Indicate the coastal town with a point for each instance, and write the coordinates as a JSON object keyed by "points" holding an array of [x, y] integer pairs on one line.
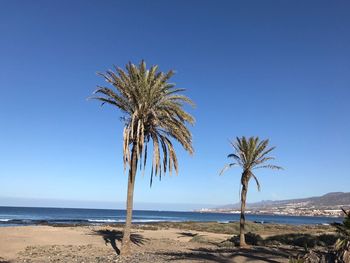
{"points": [[290, 210], [330, 204]]}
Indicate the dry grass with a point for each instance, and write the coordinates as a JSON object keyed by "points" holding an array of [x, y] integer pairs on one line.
{"points": [[233, 228]]}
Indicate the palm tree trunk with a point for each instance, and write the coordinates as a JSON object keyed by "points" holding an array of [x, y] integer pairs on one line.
{"points": [[125, 249], [242, 242]]}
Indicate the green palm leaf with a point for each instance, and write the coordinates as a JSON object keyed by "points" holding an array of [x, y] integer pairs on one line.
{"points": [[153, 110]]}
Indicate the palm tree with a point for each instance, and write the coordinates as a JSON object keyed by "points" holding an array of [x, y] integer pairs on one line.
{"points": [[250, 154], [342, 245], [152, 112]]}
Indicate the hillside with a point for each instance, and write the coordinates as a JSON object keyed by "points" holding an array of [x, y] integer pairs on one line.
{"points": [[333, 200]]}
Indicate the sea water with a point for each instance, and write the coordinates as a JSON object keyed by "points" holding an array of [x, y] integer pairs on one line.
{"points": [[14, 216]]}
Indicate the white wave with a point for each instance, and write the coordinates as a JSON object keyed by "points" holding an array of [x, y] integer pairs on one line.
{"points": [[148, 220], [155, 220], [104, 220], [4, 220], [134, 220]]}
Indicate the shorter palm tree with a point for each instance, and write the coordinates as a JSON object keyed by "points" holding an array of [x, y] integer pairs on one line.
{"points": [[250, 154]]}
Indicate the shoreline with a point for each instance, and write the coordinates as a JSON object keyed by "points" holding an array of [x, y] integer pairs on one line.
{"points": [[71, 223]]}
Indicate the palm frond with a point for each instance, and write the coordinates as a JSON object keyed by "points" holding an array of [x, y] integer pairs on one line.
{"points": [[153, 110], [269, 166], [251, 153], [226, 167], [257, 182]]}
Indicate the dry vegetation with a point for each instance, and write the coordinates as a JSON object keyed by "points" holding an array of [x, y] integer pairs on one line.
{"points": [[233, 228]]}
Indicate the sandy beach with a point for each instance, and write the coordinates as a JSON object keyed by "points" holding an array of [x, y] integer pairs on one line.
{"points": [[151, 244]]}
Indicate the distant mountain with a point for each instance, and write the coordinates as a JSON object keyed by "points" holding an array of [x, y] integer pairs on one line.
{"points": [[330, 201]]}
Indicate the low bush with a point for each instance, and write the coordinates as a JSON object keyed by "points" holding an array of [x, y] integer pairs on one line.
{"points": [[303, 240], [327, 240], [250, 238], [201, 239]]}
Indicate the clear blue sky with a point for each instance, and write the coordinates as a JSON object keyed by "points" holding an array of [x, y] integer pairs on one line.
{"points": [[277, 69]]}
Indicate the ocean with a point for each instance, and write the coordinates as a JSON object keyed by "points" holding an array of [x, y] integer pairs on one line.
{"points": [[17, 216]]}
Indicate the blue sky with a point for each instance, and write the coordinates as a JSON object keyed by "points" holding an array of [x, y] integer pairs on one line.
{"points": [[276, 69]]}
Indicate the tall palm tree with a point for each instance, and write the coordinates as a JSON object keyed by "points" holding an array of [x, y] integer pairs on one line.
{"points": [[153, 111], [250, 154]]}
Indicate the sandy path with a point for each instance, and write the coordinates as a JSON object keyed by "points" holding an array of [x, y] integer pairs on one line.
{"points": [[15, 239]]}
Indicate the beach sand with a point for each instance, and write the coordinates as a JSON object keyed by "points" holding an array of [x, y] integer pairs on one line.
{"points": [[99, 244]]}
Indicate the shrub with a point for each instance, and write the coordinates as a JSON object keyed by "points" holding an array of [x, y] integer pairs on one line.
{"points": [[250, 238], [253, 239], [200, 239], [300, 240], [343, 243], [326, 240]]}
